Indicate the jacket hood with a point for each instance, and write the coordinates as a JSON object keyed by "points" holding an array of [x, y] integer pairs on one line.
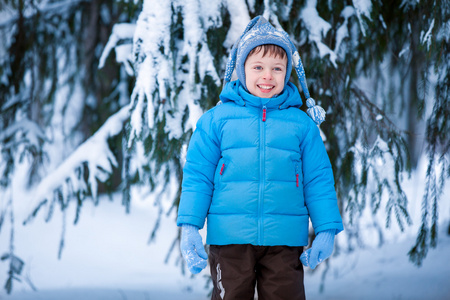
{"points": [[260, 32], [234, 91]]}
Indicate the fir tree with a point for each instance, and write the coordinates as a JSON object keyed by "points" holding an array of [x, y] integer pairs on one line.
{"points": [[52, 99]]}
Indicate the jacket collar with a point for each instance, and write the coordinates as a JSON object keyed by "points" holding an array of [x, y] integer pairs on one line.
{"points": [[234, 91]]}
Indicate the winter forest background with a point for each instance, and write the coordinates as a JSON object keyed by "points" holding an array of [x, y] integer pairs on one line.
{"points": [[98, 100]]}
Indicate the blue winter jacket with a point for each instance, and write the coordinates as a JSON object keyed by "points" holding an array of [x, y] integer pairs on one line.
{"points": [[257, 170]]}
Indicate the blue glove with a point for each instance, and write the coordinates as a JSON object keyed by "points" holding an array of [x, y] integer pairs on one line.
{"points": [[321, 249], [192, 248]]}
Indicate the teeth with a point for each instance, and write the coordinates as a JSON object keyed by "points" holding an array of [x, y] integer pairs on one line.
{"points": [[266, 87]]}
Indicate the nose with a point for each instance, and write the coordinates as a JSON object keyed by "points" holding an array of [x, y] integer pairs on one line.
{"points": [[268, 75]]}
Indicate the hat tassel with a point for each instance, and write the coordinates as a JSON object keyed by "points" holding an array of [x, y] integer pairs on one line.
{"points": [[315, 112]]}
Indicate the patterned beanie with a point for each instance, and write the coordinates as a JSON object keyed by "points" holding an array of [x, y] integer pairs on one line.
{"points": [[260, 32]]}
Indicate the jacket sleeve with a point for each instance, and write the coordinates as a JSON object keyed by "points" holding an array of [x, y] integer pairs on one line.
{"points": [[198, 173], [318, 184]]}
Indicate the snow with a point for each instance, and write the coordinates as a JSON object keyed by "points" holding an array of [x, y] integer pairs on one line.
{"points": [[342, 31], [425, 38], [239, 18], [156, 63], [380, 17], [404, 50], [317, 27], [385, 273], [106, 256], [363, 8], [210, 13], [95, 151], [120, 31], [27, 128], [195, 37], [152, 33]]}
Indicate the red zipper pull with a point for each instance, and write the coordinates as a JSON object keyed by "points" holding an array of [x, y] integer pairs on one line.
{"points": [[264, 114], [221, 169], [296, 179]]}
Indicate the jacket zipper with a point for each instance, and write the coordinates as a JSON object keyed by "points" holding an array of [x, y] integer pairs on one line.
{"points": [[296, 175], [262, 177], [221, 169]]}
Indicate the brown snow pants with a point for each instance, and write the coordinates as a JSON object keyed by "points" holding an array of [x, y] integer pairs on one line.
{"points": [[276, 271]]}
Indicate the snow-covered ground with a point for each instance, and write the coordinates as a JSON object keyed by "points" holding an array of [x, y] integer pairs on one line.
{"points": [[367, 274], [106, 256], [386, 273]]}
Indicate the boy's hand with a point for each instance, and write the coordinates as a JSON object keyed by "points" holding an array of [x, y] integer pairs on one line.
{"points": [[192, 248], [321, 249]]}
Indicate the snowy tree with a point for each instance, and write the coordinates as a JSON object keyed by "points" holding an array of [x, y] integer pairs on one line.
{"points": [[52, 98], [358, 61], [73, 122], [364, 62]]}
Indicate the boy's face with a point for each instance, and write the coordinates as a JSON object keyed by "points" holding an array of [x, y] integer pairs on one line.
{"points": [[264, 76]]}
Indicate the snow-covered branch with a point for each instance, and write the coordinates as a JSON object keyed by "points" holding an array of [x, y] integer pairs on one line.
{"points": [[170, 67], [363, 8], [120, 32], [317, 27], [10, 15], [29, 129], [94, 153]]}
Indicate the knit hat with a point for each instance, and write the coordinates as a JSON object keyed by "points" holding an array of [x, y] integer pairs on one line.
{"points": [[260, 32]]}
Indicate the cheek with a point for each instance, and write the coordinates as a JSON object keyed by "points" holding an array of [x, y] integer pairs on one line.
{"points": [[249, 78]]}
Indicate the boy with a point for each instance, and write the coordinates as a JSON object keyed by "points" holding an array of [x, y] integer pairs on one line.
{"points": [[257, 170]]}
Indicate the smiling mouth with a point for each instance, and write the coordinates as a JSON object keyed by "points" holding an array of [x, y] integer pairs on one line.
{"points": [[266, 87]]}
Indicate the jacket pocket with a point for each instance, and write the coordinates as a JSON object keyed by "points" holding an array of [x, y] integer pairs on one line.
{"points": [[220, 171], [297, 172]]}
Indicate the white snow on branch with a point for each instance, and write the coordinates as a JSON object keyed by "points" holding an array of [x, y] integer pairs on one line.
{"points": [[136, 120], [444, 32], [13, 100], [404, 51], [342, 31], [151, 48], [317, 27], [210, 12], [425, 38], [168, 66], [94, 152], [380, 17], [120, 32], [239, 18], [30, 131], [194, 38], [363, 8], [192, 35], [9, 13]]}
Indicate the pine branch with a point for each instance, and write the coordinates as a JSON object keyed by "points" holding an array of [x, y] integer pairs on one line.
{"points": [[94, 153], [48, 9], [16, 264], [374, 111]]}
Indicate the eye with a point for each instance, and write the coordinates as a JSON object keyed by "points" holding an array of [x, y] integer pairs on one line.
{"points": [[278, 69], [258, 68]]}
